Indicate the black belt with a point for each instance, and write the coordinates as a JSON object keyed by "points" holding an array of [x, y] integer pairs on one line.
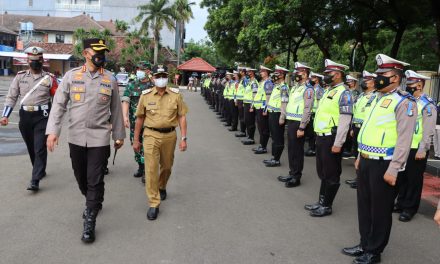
{"points": [[162, 130]]}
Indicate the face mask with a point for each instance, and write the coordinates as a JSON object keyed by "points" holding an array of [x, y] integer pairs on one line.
{"points": [[36, 65], [140, 75], [328, 79], [364, 85], [382, 81], [161, 82], [411, 90], [312, 82], [98, 60]]}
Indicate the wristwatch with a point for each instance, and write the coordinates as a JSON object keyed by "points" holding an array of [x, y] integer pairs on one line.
{"points": [[184, 138]]}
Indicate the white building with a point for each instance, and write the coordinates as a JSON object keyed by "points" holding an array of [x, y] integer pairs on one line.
{"points": [[100, 10]]}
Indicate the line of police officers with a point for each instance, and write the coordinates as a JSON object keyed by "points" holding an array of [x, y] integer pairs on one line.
{"points": [[387, 127]]}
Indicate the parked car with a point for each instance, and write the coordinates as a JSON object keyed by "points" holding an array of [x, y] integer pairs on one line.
{"points": [[122, 79]]}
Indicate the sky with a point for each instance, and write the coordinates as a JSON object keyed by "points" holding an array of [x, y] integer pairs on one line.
{"points": [[194, 29]]}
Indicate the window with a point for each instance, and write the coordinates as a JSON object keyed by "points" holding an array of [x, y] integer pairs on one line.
{"points": [[59, 38], [31, 2]]}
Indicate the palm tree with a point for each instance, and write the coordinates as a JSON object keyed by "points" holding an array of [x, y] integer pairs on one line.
{"points": [[121, 25], [155, 15], [183, 14]]}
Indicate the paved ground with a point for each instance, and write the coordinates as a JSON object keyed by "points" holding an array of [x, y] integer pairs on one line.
{"points": [[224, 206]]}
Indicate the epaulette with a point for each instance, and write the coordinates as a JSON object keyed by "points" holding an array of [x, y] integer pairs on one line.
{"points": [[405, 94], [21, 72], [429, 99], [77, 68], [175, 90], [147, 91]]}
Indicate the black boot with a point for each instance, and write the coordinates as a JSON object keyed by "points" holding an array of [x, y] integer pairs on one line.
{"points": [[310, 153], [311, 207], [34, 186], [326, 208], [140, 172], [88, 235]]}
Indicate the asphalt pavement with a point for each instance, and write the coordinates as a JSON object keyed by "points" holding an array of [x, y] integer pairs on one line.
{"points": [[223, 207]]}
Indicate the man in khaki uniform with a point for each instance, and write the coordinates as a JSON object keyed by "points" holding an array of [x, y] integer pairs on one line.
{"points": [[160, 111], [35, 87], [92, 96]]}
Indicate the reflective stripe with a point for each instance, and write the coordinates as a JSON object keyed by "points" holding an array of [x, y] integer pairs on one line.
{"points": [[376, 150], [7, 111], [294, 115]]}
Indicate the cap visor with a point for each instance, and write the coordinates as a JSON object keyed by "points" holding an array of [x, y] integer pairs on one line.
{"points": [[383, 70], [100, 49]]}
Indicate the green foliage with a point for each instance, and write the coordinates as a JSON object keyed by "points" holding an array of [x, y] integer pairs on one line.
{"points": [[80, 34], [207, 51]]}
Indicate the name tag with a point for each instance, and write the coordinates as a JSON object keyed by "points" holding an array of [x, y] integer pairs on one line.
{"points": [[106, 85], [24, 82], [78, 82], [152, 103]]}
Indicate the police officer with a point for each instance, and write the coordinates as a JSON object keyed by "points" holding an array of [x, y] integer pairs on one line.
{"points": [[92, 95], [160, 111], [360, 108], [332, 122], [411, 179], [277, 116], [349, 142], [316, 80], [227, 92], [239, 97], [130, 100], [298, 113], [384, 144], [251, 90], [234, 101], [35, 88], [265, 88]]}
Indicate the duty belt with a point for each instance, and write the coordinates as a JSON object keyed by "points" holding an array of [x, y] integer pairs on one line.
{"points": [[366, 156], [162, 130], [324, 134], [34, 108]]}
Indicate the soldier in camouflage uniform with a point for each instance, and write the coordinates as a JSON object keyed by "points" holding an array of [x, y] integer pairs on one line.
{"points": [[130, 101]]}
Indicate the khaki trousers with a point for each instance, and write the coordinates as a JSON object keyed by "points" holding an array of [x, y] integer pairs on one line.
{"points": [[159, 158]]}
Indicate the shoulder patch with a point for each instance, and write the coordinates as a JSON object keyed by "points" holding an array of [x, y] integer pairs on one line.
{"points": [[174, 90], [147, 91]]}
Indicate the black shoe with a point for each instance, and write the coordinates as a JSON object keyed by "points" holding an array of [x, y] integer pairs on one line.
{"points": [[354, 185], [152, 213], [436, 158], [355, 251], [248, 141], [34, 186], [284, 178], [268, 160], [367, 258], [257, 148], [273, 163], [312, 207], [405, 217], [321, 211], [88, 235], [310, 153], [140, 172], [293, 183], [106, 172], [240, 134], [260, 151], [163, 194], [232, 129], [349, 182]]}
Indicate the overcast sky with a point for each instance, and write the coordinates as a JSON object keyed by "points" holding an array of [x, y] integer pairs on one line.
{"points": [[194, 29]]}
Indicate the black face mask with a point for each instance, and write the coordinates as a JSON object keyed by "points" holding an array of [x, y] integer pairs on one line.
{"points": [[364, 86], [411, 90], [328, 79], [382, 81], [312, 83], [98, 59], [36, 65], [298, 78]]}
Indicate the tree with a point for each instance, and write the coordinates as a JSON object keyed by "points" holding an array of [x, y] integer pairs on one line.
{"points": [[183, 14], [155, 15], [205, 50], [136, 49]]}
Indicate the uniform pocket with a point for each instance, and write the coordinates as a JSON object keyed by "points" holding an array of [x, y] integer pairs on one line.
{"points": [[77, 94], [104, 96], [152, 111]]}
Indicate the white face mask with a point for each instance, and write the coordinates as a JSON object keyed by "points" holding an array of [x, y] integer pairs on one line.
{"points": [[161, 82], [140, 75]]}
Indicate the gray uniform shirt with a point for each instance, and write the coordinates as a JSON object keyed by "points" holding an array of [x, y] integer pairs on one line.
{"points": [[309, 98], [94, 108], [345, 114], [429, 119], [23, 83]]}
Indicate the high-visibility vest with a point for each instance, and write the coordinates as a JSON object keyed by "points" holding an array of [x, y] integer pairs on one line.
{"points": [[274, 104], [248, 96], [295, 107], [359, 108], [327, 114]]}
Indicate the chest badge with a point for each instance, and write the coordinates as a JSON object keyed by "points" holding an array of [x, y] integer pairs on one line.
{"points": [[77, 97], [386, 103]]}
